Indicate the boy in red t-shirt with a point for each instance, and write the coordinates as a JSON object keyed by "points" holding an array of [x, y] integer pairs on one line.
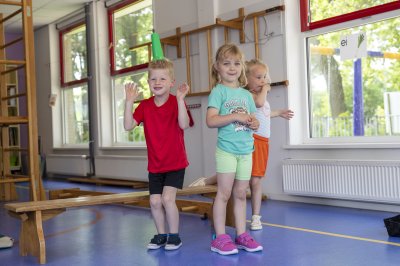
{"points": [[164, 117]]}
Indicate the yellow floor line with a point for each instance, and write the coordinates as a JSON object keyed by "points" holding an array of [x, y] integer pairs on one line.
{"points": [[332, 234]]}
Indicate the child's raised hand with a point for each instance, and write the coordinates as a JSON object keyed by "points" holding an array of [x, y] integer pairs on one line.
{"points": [[131, 91], [182, 91], [286, 113]]}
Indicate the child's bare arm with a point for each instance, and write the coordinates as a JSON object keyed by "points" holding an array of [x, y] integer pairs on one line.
{"points": [[259, 97], [131, 93], [183, 117], [284, 113], [215, 120]]}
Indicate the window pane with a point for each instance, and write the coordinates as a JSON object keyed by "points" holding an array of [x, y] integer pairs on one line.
{"points": [[341, 108], [132, 27], [323, 9], [136, 135], [75, 115], [74, 54]]}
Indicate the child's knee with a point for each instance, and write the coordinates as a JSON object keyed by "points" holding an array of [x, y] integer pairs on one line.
{"points": [[167, 199], [240, 193], [155, 202], [224, 195], [255, 181]]}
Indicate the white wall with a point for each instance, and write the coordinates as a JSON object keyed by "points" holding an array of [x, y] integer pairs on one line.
{"points": [[283, 53]]}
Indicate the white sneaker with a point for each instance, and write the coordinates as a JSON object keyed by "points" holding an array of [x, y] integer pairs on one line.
{"points": [[199, 182], [6, 242], [255, 223]]}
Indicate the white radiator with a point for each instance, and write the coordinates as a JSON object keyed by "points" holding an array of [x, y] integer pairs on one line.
{"points": [[74, 165], [377, 181]]}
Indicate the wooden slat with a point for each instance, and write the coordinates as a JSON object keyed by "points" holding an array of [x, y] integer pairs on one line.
{"points": [[114, 182], [12, 69], [11, 43], [14, 149], [13, 96], [256, 47], [11, 62], [209, 56], [187, 47], [13, 120], [10, 16], [16, 176], [96, 200], [36, 186], [14, 180], [12, 3]]}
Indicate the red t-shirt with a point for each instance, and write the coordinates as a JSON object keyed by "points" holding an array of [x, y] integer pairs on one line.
{"points": [[164, 138]]}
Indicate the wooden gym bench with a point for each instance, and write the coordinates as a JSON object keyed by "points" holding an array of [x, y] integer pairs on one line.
{"points": [[33, 213]]}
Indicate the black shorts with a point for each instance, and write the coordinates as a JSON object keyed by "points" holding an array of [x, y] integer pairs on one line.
{"points": [[157, 181]]}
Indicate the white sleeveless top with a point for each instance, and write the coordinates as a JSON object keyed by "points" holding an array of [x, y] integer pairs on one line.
{"points": [[263, 114]]}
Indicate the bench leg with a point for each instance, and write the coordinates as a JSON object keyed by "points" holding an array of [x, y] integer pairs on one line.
{"points": [[31, 237]]}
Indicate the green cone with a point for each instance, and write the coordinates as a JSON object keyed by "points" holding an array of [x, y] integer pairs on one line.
{"points": [[156, 49]]}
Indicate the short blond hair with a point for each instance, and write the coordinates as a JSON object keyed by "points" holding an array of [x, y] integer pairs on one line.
{"points": [[162, 64], [223, 52], [257, 62]]}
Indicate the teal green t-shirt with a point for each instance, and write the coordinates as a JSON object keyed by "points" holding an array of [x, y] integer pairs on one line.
{"points": [[236, 137]]}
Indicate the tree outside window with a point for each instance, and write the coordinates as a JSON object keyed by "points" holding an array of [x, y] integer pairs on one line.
{"points": [[354, 97], [131, 25], [74, 85]]}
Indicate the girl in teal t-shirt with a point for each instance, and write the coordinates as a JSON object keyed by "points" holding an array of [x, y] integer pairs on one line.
{"points": [[231, 109]]}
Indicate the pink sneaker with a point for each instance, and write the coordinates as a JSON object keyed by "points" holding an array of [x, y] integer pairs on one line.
{"points": [[245, 241], [224, 245]]}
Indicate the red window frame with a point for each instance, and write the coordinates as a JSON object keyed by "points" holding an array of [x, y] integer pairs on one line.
{"points": [[61, 44], [306, 25], [110, 13]]}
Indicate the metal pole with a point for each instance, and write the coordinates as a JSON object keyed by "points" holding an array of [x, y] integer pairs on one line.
{"points": [[90, 89], [358, 105]]}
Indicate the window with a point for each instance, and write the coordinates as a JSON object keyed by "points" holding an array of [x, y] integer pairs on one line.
{"points": [[321, 13], [74, 91], [130, 28], [354, 97], [136, 135]]}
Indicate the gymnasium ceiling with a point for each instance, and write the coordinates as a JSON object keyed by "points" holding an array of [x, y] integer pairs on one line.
{"points": [[44, 12]]}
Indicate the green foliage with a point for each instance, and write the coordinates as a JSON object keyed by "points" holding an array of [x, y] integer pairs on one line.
{"points": [[379, 75], [132, 29], [322, 9]]}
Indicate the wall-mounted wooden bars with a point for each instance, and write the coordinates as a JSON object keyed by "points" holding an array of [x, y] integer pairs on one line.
{"points": [[7, 120], [236, 24]]}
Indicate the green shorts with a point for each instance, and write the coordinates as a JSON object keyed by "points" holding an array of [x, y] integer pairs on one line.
{"points": [[232, 163]]}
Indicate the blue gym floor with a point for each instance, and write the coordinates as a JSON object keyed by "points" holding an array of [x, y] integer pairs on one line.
{"points": [[294, 234]]}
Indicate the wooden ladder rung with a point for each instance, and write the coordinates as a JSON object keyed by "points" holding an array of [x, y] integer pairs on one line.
{"points": [[13, 120], [11, 43], [15, 176], [11, 3], [14, 149], [12, 69], [12, 62], [13, 96], [14, 180], [11, 16]]}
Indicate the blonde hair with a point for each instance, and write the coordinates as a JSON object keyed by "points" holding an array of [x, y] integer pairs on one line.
{"points": [[162, 64], [257, 62], [223, 52]]}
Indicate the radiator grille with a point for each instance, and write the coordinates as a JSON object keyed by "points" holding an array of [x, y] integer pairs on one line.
{"points": [[377, 181]]}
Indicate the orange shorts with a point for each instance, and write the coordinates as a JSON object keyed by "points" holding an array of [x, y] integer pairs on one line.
{"points": [[260, 156]]}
